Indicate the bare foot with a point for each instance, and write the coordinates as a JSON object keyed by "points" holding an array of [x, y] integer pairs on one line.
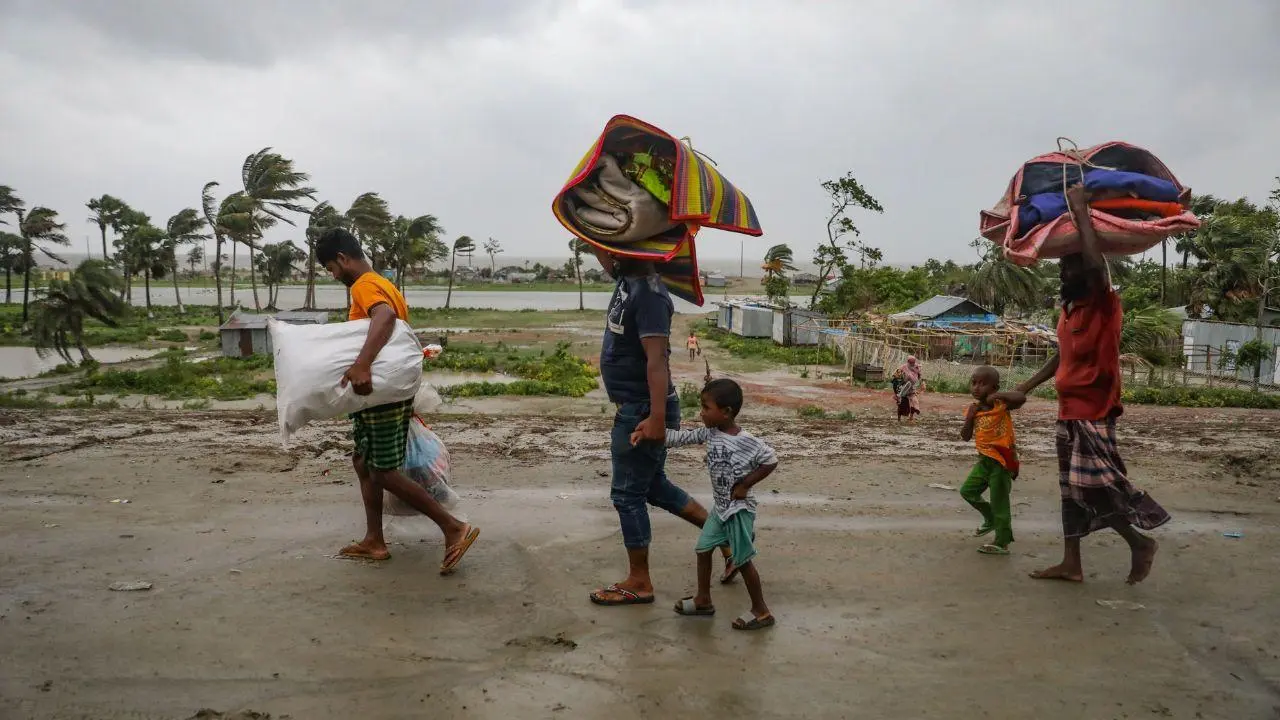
{"points": [[365, 550], [1059, 572], [1143, 558]]}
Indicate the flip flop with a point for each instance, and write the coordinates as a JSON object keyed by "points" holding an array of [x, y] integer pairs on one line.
{"points": [[628, 597], [751, 622], [453, 555], [984, 530], [686, 606], [993, 550], [356, 551]]}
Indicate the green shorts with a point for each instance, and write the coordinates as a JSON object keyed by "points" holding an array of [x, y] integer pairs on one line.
{"points": [[381, 434], [736, 532]]}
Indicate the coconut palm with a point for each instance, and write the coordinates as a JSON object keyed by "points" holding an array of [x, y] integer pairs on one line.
{"points": [[463, 246], [210, 210], [997, 283], [38, 226], [59, 314], [105, 213], [1149, 332], [492, 248], [275, 262], [370, 220], [141, 252], [182, 229], [11, 257], [274, 188], [321, 218], [777, 260], [235, 222], [195, 257], [413, 242], [10, 204], [579, 247]]}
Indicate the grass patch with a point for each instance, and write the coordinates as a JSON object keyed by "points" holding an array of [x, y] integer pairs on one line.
{"points": [[21, 400], [767, 349], [559, 373], [135, 328], [811, 412], [178, 379], [1189, 397]]}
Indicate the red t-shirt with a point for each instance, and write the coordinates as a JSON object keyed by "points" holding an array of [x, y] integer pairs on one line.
{"points": [[1088, 378]]}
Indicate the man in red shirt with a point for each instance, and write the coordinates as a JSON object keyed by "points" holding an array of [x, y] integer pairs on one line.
{"points": [[1096, 492]]}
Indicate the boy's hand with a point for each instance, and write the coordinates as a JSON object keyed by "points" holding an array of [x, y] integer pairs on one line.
{"points": [[972, 412], [360, 379], [649, 429], [740, 492]]}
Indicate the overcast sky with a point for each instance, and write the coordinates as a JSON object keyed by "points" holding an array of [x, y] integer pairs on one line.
{"points": [[477, 111]]}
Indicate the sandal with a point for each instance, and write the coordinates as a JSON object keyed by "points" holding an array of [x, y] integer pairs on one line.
{"points": [[993, 550], [730, 571], [751, 622], [686, 606], [453, 555], [626, 597], [984, 530]]}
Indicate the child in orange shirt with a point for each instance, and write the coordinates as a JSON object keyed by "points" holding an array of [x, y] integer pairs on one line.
{"points": [[989, 424]]}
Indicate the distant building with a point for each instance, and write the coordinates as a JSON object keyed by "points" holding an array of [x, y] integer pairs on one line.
{"points": [[944, 311], [714, 280], [245, 334], [805, 279], [1205, 344]]}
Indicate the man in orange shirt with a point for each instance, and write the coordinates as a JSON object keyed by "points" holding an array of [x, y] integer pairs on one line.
{"points": [[381, 432], [1096, 492]]}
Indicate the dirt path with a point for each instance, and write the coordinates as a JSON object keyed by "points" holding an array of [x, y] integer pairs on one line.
{"points": [[885, 609]]}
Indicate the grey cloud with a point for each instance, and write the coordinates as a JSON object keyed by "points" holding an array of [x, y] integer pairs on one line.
{"points": [[257, 32]]}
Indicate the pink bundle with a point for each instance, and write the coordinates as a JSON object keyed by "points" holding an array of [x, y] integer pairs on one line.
{"points": [[1137, 203]]}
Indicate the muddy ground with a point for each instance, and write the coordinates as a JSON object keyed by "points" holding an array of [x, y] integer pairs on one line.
{"points": [[885, 609]]}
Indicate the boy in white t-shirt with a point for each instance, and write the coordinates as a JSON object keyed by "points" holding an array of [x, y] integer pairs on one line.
{"points": [[737, 461]]}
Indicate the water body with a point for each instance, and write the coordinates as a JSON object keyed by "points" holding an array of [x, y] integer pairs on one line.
{"points": [[332, 296], [23, 362]]}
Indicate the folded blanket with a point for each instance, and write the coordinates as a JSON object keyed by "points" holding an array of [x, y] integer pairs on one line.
{"points": [[1047, 230], [700, 197]]}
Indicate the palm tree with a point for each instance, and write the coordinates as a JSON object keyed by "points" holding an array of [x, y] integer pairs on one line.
{"points": [[210, 210], [777, 260], [997, 283], [235, 222], [370, 220], [577, 246], [274, 188], [142, 253], [275, 262], [322, 217], [105, 213], [182, 229], [57, 323], [195, 257], [11, 257], [38, 226], [463, 246], [414, 241], [493, 248]]}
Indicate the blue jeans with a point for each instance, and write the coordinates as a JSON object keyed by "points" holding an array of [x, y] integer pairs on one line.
{"points": [[639, 474]]}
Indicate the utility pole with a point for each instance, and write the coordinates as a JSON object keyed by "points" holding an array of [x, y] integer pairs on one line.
{"points": [[88, 251], [742, 250]]}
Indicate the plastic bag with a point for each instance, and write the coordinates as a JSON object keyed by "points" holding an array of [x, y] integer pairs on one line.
{"points": [[427, 400], [311, 359], [426, 462]]}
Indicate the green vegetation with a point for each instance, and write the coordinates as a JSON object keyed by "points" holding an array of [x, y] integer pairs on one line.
{"points": [[767, 349], [1193, 397], [811, 412], [21, 400], [178, 379], [558, 373]]}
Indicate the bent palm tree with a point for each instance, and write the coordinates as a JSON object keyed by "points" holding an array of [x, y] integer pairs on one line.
{"points": [[414, 241], [578, 247], [38, 226], [11, 256], [182, 229], [370, 220], [463, 246], [57, 323], [777, 260], [274, 188], [105, 213], [210, 209], [998, 284]]}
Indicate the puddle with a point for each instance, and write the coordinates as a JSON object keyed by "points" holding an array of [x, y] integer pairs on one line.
{"points": [[24, 362]]}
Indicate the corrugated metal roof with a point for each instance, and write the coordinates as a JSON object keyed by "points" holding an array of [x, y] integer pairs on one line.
{"points": [[318, 317], [241, 320], [938, 305]]}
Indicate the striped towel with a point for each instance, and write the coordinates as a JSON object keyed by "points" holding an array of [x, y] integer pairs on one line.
{"points": [[700, 197]]}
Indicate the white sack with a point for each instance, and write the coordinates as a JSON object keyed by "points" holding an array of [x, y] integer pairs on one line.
{"points": [[428, 400], [311, 359]]}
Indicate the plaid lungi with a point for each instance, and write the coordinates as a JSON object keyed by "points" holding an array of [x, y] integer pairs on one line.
{"points": [[381, 434], [1096, 492]]}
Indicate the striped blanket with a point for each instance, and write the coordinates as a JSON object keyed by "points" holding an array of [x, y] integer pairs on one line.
{"points": [[700, 197]]}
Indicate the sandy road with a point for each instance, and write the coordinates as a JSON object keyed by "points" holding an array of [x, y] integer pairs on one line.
{"points": [[884, 608]]}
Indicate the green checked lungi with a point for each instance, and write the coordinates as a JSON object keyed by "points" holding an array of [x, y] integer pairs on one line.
{"points": [[381, 434]]}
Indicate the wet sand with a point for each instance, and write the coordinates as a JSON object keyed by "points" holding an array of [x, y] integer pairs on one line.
{"points": [[885, 609]]}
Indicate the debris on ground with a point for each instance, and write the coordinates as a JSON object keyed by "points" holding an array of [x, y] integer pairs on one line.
{"points": [[1121, 605], [940, 486], [130, 586]]}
